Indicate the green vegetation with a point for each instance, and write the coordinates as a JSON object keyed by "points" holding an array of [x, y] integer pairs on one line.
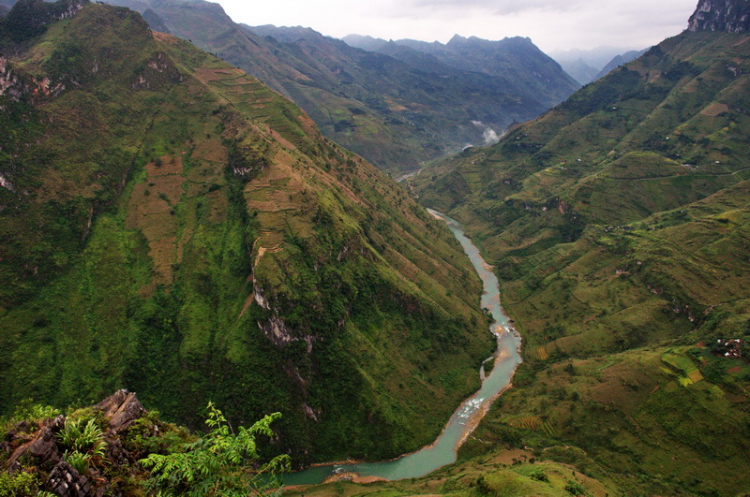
{"points": [[190, 235], [98, 447], [219, 463], [18, 485], [618, 224], [81, 443]]}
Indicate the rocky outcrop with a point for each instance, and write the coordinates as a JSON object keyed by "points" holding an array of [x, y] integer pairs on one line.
{"points": [[5, 183], [121, 409], [731, 16], [275, 329], [41, 447], [35, 446], [67, 482], [9, 84]]}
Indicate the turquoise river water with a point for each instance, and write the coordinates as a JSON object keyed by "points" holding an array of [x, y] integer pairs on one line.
{"points": [[443, 451]]}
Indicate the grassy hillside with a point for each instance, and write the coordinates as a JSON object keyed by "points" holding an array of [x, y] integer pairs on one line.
{"points": [[618, 223], [171, 225]]}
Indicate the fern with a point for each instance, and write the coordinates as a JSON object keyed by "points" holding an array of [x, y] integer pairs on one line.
{"points": [[78, 461], [220, 463], [83, 441]]}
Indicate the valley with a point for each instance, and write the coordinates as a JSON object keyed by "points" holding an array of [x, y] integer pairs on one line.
{"points": [[469, 414], [223, 229]]}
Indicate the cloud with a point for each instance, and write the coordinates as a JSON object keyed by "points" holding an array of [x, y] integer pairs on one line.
{"points": [[489, 135]]}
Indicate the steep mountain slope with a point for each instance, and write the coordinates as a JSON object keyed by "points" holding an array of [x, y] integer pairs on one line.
{"points": [[654, 136], [619, 223], [517, 60], [580, 70], [170, 225], [392, 113], [618, 61]]}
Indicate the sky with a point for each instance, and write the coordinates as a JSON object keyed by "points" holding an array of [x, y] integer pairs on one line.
{"points": [[553, 25]]}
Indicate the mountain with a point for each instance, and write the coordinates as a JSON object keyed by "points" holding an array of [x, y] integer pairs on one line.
{"points": [[522, 66], [392, 113], [619, 225], [170, 225], [579, 70], [596, 57], [368, 43], [619, 61], [730, 16]]}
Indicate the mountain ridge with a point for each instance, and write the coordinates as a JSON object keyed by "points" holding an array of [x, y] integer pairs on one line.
{"points": [[396, 115], [731, 16], [171, 225], [489, 57]]}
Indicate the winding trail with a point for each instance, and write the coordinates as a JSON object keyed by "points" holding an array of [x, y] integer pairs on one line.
{"points": [[468, 415]]}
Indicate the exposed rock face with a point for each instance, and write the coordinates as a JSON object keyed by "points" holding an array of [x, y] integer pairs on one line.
{"points": [[8, 80], [731, 16], [42, 447], [121, 409], [67, 482]]}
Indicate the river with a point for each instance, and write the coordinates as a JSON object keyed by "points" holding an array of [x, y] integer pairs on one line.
{"points": [[463, 421]]}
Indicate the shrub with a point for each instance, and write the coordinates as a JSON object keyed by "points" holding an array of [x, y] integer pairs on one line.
{"points": [[539, 475], [78, 461], [28, 411], [219, 463], [575, 488], [18, 485], [85, 439]]}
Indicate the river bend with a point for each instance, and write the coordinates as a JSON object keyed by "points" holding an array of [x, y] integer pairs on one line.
{"points": [[463, 421]]}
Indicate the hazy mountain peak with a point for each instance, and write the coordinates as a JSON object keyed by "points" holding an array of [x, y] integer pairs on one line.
{"points": [[732, 16], [365, 42], [457, 39], [286, 34]]}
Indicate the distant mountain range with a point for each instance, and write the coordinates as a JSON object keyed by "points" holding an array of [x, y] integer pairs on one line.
{"points": [[586, 66], [517, 61], [397, 109]]}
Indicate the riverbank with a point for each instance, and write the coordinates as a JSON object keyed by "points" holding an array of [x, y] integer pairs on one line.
{"points": [[469, 413]]}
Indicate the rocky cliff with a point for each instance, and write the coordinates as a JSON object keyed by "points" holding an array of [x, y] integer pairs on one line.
{"points": [[732, 16]]}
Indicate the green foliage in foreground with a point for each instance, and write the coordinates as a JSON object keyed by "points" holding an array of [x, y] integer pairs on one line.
{"points": [[171, 461], [18, 485], [82, 440], [219, 463]]}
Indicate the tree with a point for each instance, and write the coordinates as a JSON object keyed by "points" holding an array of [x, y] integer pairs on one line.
{"points": [[219, 463]]}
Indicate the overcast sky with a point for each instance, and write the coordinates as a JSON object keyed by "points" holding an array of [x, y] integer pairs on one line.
{"points": [[551, 24]]}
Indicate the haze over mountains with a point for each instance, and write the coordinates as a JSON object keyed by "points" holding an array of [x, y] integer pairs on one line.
{"points": [[586, 66]]}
